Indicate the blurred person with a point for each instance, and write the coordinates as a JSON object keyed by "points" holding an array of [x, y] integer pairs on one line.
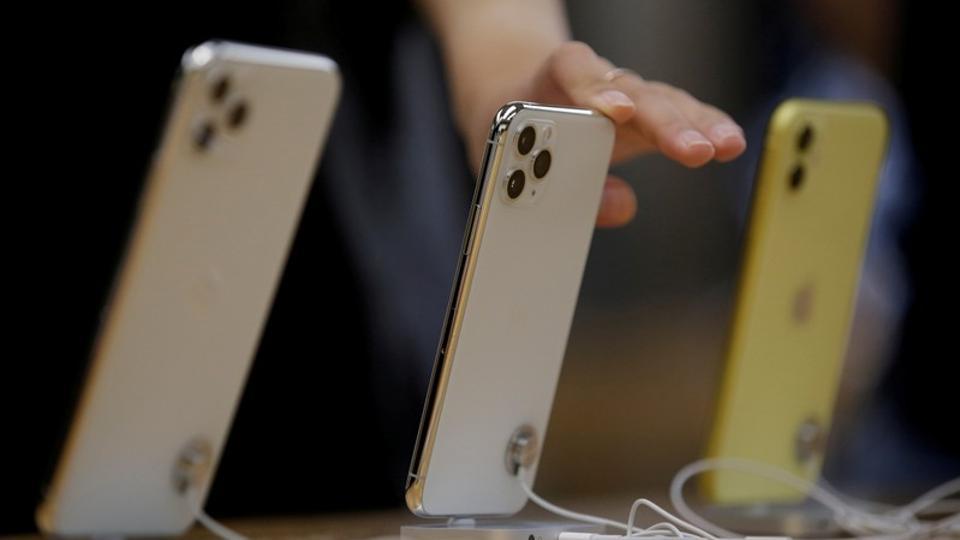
{"points": [[329, 415]]}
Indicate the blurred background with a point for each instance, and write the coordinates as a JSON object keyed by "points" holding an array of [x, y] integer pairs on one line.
{"points": [[640, 381], [644, 360]]}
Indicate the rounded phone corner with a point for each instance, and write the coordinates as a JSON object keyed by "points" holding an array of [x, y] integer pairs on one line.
{"points": [[878, 114], [43, 517], [505, 115], [414, 498], [785, 114], [199, 56]]}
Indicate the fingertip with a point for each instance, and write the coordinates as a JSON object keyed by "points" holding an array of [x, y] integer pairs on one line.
{"points": [[691, 148], [729, 141], [731, 150]]}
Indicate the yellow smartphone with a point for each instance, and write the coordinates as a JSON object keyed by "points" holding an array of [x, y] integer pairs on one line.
{"points": [[809, 222]]}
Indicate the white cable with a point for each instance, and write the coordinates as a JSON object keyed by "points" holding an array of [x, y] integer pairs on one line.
{"points": [[932, 497], [667, 515], [899, 522], [569, 514], [895, 523], [218, 529], [655, 530], [851, 519], [949, 524], [872, 506], [704, 465]]}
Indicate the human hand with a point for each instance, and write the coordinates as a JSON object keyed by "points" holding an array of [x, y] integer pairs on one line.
{"points": [[649, 117]]}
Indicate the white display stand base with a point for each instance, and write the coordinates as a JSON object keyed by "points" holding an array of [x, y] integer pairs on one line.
{"points": [[494, 530]]}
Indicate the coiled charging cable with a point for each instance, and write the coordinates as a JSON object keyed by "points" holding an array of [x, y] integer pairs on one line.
{"points": [[896, 523]]}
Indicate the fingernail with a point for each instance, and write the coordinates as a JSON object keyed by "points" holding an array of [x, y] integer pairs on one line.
{"points": [[615, 98], [691, 138], [725, 131]]}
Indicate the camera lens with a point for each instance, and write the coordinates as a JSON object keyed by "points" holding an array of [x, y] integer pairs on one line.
{"points": [[805, 138], [796, 177], [203, 136], [220, 89], [515, 183], [238, 115], [526, 140], [541, 164]]}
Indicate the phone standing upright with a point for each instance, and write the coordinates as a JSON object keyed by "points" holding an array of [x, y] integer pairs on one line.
{"points": [[810, 218], [216, 218], [505, 333]]}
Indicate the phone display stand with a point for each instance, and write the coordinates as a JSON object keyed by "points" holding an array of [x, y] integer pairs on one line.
{"points": [[797, 519], [469, 529], [522, 450], [806, 519]]}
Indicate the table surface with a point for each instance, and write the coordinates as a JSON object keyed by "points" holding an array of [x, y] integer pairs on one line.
{"points": [[385, 524], [379, 524]]}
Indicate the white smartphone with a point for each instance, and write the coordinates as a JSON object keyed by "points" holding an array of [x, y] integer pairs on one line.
{"points": [[511, 307], [216, 218]]}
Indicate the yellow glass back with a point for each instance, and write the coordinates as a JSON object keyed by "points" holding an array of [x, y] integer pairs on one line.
{"points": [[798, 281]]}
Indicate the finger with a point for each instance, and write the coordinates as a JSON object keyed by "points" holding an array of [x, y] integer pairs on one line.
{"points": [[727, 137], [618, 205], [669, 129], [582, 75]]}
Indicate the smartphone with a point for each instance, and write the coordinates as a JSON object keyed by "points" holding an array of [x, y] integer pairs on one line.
{"points": [[516, 287], [810, 218], [216, 218]]}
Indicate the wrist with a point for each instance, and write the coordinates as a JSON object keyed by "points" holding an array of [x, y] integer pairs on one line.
{"points": [[492, 51], [501, 77]]}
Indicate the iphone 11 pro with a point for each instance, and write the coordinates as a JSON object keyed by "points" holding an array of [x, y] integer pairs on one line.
{"points": [[503, 341], [216, 218]]}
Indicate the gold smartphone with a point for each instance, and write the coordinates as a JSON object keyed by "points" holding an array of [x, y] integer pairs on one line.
{"points": [[810, 217]]}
